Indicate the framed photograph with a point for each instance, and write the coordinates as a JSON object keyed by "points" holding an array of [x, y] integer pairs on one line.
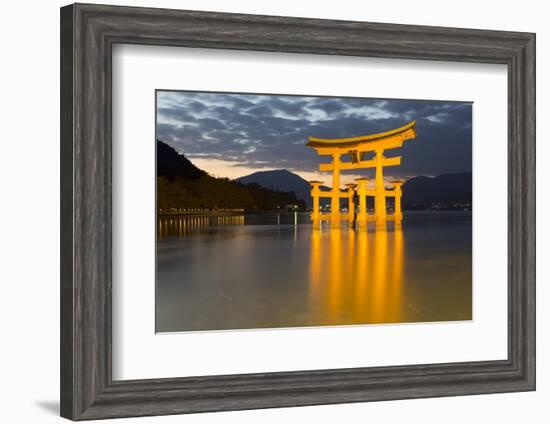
{"points": [[263, 211]]}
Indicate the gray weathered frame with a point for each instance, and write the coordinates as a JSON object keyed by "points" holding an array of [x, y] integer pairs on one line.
{"points": [[88, 33]]}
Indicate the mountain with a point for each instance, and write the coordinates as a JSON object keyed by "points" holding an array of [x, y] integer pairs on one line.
{"points": [[445, 190], [281, 180], [182, 185], [171, 164]]}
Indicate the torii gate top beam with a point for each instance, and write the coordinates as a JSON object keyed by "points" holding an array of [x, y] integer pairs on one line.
{"points": [[364, 143]]}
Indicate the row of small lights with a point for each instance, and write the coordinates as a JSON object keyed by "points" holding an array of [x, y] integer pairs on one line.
{"points": [[200, 210]]}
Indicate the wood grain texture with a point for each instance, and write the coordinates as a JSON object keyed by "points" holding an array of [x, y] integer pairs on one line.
{"points": [[66, 212], [88, 33]]}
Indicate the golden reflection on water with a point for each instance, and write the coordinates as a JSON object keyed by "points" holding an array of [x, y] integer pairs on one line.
{"points": [[315, 260], [357, 277], [181, 226], [354, 276], [257, 274]]}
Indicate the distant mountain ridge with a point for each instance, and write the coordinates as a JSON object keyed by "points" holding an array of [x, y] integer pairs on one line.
{"points": [[419, 192], [281, 180], [445, 190]]}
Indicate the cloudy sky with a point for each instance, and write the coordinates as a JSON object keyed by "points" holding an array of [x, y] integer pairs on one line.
{"points": [[232, 135]]}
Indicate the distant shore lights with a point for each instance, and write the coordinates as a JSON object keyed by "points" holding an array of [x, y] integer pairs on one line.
{"points": [[356, 148]]}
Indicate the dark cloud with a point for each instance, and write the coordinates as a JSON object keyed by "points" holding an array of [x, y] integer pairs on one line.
{"points": [[208, 124], [271, 130]]}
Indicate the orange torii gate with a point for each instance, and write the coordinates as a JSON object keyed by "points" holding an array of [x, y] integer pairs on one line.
{"points": [[356, 147]]}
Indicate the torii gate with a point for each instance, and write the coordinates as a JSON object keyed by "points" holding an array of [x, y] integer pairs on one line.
{"points": [[356, 147]]}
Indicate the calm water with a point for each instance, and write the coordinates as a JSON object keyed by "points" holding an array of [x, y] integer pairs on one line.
{"points": [[240, 272]]}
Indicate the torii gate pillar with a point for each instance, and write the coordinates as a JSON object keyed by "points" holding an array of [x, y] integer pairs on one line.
{"points": [[315, 194], [380, 190], [351, 204], [362, 192], [335, 194], [398, 193]]}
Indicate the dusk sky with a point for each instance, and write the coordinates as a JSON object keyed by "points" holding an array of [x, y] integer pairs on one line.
{"points": [[232, 135]]}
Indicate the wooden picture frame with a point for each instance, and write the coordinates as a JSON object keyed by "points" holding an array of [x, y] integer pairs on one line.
{"points": [[88, 33]]}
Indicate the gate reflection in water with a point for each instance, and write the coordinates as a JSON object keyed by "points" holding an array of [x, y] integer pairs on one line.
{"points": [[240, 272], [365, 275]]}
